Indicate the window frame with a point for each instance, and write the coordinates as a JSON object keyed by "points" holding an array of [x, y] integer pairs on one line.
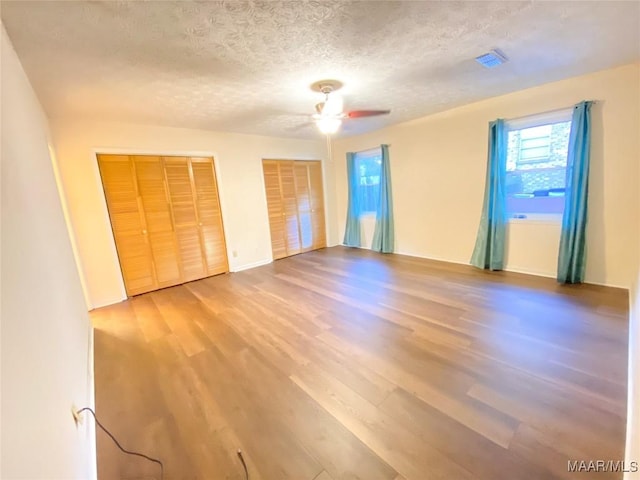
{"points": [[531, 121], [521, 148], [368, 154]]}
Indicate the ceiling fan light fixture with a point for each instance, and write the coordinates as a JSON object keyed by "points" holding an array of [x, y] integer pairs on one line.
{"points": [[330, 113], [328, 125], [333, 105]]}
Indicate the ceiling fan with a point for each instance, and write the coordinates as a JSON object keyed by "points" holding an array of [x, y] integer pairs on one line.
{"points": [[330, 113]]}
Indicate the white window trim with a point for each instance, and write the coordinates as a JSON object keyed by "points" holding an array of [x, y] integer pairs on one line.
{"points": [[370, 153], [530, 121], [537, 120], [538, 218]]}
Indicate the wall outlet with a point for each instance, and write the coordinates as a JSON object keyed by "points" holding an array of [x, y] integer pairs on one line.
{"points": [[234, 253], [77, 416]]}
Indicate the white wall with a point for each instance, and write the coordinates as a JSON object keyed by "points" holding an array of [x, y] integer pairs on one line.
{"points": [[438, 167], [238, 165], [46, 335], [633, 406]]}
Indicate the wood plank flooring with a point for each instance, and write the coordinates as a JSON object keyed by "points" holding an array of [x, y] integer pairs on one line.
{"points": [[347, 364]]}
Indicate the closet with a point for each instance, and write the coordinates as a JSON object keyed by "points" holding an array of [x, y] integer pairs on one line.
{"points": [[166, 219], [295, 205]]}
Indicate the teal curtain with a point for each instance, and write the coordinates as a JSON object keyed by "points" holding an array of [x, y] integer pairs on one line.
{"points": [[489, 249], [352, 230], [572, 255], [383, 234]]}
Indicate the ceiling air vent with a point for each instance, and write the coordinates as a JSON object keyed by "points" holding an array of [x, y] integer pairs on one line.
{"points": [[491, 59]]}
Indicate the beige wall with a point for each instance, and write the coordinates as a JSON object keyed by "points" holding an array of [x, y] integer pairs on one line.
{"points": [[438, 167], [46, 335], [239, 167]]}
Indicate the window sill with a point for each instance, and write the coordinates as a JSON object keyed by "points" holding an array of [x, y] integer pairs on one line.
{"points": [[536, 219]]}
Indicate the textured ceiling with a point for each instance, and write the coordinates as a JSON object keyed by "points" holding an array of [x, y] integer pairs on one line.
{"points": [[246, 66]]}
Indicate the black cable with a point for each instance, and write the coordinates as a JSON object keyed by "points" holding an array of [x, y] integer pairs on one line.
{"points": [[246, 471], [128, 452]]}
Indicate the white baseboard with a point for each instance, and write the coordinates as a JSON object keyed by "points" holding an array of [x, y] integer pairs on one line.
{"points": [[514, 269], [437, 259], [247, 266], [537, 273], [107, 303], [91, 395]]}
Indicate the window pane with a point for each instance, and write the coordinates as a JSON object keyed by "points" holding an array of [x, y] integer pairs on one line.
{"points": [[541, 131], [536, 168], [537, 152], [368, 168], [535, 142]]}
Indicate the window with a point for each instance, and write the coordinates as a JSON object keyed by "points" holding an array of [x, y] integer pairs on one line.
{"points": [[367, 166], [534, 144], [537, 163]]}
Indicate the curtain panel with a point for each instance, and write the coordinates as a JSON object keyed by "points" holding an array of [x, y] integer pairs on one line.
{"points": [[383, 236], [572, 254], [352, 229], [488, 252]]}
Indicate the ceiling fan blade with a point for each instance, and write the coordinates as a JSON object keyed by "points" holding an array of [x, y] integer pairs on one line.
{"points": [[299, 127], [367, 113]]}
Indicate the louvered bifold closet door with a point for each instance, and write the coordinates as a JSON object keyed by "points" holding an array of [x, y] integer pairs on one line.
{"points": [[209, 215], [182, 199], [157, 213], [317, 205], [129, 229], [166, 219], [295, 205], [275, 208], [290, 204], [303, 197]]}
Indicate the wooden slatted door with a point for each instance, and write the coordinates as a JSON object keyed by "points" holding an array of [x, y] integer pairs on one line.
{"points": [[209, 215], [295, 206], [290, 204], [185, 219], [275, 207], [127, 220], [303, 196], [157, 213], [166, 219], [318, 228]]}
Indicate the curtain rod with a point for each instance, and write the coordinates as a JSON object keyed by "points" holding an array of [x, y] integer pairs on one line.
{"points": [[548, 112]]}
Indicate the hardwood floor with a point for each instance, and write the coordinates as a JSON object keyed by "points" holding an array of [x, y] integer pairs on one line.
{"points": [[346, 364]]}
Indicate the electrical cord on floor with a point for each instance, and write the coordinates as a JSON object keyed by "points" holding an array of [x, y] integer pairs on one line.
{"points": [[246, 470], [128, 452]]}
